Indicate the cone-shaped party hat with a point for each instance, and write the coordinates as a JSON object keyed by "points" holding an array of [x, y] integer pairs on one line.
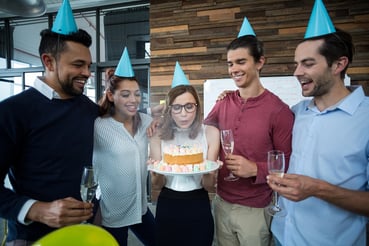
{"points": [[64, 22], [246, 29], [179, 77], [124, 68], [319, 23]]}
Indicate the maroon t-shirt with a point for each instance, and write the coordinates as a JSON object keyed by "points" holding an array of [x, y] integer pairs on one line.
{"points": [[259, 124]]}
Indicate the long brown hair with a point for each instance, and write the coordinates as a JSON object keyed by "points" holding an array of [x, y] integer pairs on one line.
{"points": [[107, 108], [168, 126]]}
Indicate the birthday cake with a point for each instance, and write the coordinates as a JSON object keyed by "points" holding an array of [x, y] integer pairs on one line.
{"points": [[183, 160], [183, 154]]}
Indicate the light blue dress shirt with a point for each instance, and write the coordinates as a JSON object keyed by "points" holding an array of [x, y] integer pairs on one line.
{"points": [[332, 145]]}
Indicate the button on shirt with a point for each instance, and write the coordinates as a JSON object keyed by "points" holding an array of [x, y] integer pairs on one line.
{"points": [[332, 145]]}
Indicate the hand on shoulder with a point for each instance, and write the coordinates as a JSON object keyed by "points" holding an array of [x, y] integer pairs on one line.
{"points": [[223, 95]]}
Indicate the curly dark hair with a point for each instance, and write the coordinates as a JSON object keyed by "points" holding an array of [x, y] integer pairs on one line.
{"points": [[55, 43]]}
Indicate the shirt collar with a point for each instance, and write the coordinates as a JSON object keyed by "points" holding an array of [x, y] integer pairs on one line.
{"points": [[348, 104], [45, 89]]}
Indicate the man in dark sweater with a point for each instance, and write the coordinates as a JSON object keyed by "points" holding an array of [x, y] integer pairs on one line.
{"points": [[46, 137]]}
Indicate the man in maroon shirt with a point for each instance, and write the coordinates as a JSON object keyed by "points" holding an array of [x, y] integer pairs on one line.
{"points": [[260, 122]]}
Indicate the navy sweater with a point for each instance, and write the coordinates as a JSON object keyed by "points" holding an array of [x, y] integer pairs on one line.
{"points": [[44, 145]]}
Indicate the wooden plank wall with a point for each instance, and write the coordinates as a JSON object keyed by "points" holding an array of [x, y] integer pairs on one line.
{"points": [[196, 34]]}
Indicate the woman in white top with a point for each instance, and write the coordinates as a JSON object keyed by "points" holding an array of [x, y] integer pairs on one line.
{"points": [[120, 157], [183, 211]]}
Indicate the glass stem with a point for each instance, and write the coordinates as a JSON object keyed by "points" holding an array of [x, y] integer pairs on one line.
{"points": [[276, 204]]}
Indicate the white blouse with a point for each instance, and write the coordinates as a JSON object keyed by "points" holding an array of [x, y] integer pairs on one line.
{"points": [[121, 165]]}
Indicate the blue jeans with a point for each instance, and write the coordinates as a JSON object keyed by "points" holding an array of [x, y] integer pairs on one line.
{"points": [[144, 231]]}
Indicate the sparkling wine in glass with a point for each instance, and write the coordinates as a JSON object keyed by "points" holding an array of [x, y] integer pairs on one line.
{"points": [[226, 138], [276, 165], [88, 184]]}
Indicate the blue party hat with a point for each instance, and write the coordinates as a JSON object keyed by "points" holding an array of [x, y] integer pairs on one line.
{"points": [[246, 29], [179, 77], [320, 23], [64, 22], [124, 68]]}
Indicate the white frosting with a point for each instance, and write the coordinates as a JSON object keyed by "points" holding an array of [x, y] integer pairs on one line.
{"points": [[179, 149]]}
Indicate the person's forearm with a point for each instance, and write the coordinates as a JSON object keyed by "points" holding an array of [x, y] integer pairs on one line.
{"points": [[354, 201], [208, 181], [157, 181]]}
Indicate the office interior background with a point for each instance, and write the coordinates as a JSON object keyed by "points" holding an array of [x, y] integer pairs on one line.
{"points": [[113, 25]]}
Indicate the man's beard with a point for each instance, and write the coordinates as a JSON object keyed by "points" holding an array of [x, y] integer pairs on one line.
{"points": [[68, 89]]}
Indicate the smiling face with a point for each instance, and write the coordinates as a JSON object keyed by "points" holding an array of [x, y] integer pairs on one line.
{"points": [[312, 70], [242, 67], [126, 99], [184, 119], [72, 69]]}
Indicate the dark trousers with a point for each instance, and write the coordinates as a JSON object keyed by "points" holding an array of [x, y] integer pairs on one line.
{"points": [[184, 218]]}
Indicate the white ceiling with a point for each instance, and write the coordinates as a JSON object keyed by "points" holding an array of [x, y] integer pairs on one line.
{"points": [[11, 8], [53, 5]]}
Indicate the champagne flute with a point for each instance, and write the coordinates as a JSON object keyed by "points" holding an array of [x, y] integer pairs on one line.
{"points": [[226, 138], [276, 165], [88, 185]]}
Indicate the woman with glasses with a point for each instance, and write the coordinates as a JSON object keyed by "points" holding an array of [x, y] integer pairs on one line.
{"points": [[183, 212]]}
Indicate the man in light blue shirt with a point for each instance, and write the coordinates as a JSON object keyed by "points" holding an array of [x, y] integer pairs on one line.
{"points": [[325, 191]]}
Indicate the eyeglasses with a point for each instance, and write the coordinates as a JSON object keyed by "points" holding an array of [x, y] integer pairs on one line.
{"points": [[189, 107]]}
